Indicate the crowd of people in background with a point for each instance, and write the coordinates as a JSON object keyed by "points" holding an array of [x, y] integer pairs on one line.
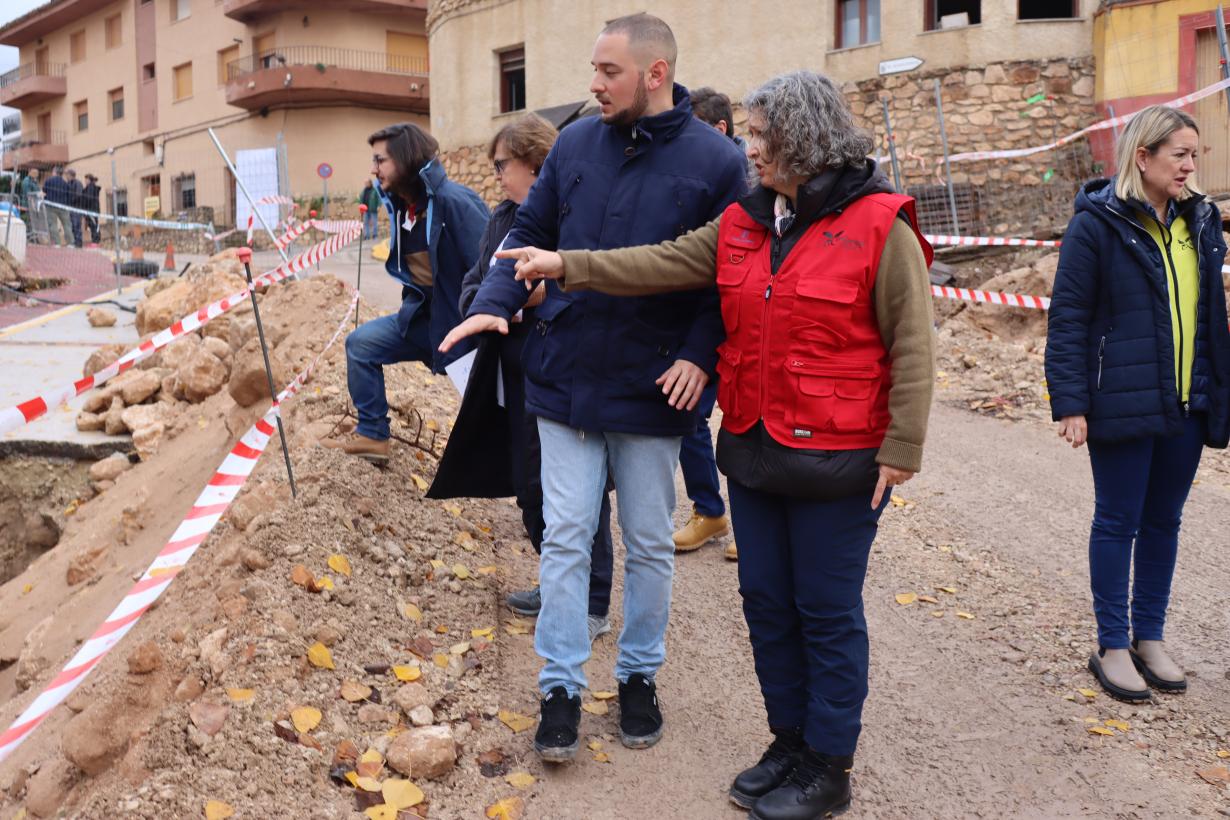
{"points": [[44, 204]]}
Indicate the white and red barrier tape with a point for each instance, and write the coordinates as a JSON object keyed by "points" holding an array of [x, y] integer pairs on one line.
{"points": [[992, 297], [992, 241], [1102, 125], [276, 199], [13, 417], [322, 225], [208, 509]]}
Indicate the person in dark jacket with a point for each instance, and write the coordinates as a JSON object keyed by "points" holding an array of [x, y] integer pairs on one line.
{"points": [[436, 229], [56, 192], [74, 200], [90, 202], [1138, 366], [370, 197], [614, 381], [826, 381], [518, 151]]}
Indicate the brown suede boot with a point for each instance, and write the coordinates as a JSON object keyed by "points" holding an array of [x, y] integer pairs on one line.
{"points": [[732, 552], [368, 449], [1157, 667]]}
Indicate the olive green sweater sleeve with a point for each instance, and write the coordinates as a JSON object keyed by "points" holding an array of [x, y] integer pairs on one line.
{"points": [[903, 304], [686, 263]]}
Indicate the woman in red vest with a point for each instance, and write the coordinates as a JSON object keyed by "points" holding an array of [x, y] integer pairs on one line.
{"points": [[825, 382]]}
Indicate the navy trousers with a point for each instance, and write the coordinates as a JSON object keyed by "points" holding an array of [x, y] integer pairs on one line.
{"points": [[801, 570], [1140, 487], [696, 459]]}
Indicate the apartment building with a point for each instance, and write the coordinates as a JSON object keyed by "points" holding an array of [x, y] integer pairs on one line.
{"points": [[135, 84]]}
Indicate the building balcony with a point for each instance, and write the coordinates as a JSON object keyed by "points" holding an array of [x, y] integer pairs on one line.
{"points": [[246, 11], [41, 151], [31, 84], [296, 75]]}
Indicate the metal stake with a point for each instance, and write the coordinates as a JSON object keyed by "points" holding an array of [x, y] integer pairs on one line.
{"points": [[251, 202], [245, 256], [952, 198], [115, 223], [358, 284], [892, 147], [1220, 18]]}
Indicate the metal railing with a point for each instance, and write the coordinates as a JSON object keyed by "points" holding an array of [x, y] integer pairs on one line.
{"points": [[10, 123], [324, 58], [25, 72], [43, 138]]}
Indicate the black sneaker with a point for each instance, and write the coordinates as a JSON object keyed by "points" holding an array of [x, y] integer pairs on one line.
{"points": [[556, 739], [775, 765], [818, 787], [640, 719], [525, 602]]}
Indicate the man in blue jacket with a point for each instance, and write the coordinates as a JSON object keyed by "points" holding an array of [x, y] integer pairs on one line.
{"points": [[436, 226], [614, 380]]}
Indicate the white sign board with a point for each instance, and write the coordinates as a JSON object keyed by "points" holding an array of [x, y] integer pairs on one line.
{"points": [[258, 168], [899, 65]]}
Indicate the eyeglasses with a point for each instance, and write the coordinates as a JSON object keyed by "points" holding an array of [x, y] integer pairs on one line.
{"points": [[377, 159], [500, 165]]}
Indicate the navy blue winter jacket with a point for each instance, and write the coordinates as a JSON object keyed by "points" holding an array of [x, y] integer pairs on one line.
{"points": [[456, 217], [56, 189], [591, 359], [1109, 346]]}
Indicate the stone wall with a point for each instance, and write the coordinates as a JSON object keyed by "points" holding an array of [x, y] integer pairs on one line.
{"points": [[985, 108]]}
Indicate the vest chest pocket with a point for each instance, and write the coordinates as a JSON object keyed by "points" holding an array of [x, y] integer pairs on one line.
{"points": [[823, 310], [736, 255], [728, 379], [832, 396]]}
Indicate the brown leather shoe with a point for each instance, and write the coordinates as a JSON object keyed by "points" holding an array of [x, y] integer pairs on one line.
{"points": [[732, 552], [700, 530], [368, 449]]}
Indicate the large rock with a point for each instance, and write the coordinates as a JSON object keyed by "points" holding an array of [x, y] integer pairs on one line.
{"points": [[411, 696], [89, 422], [95, 739], [113, 420], [179, 351], [164, 308], [423, 752], [248, 383], [33, 658], [109, 468], [146, 415], [100, 317], [202, 375], [105, 355], [217, 345], [142, 386], [147, 440]]}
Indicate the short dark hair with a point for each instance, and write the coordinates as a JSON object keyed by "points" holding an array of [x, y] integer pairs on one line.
{"points": [[713, 107], [527, 138], [410, 148], [650, 36]]}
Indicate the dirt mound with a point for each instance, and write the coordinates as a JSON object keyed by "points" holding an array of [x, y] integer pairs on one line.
{"points": [[1015, 324]]}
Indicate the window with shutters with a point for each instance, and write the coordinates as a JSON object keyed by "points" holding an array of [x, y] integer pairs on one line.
{"points": [[182, 81], [114, 30], [185, 192], [512, 79], [225, 56], [76, 46], [81, 116], [115, 100], [858, 23]]}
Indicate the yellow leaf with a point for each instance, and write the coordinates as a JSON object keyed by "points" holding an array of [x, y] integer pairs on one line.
{"points": [[898, 501], [339, 563], [517, 627], [602, 757], [453, 509], [1223, 754], [370, 764], [27, 589], [1091, 720], [487, 570], [949, 590], [1100, 730], [521, 780], [596, 707], [325, 582], [369, 784], [381, 812], [1089, 693], [1121, 725], [412, 612], [217, 810], [465, 540], [440, 660], [305, 718], [319, 655], [906, 598], [514, 721], [937, 613], [594, 745], [419, 482], [486, 632], [460, 571], [405, 674], [510, 808], [353, 691], [436, 563], [1070, 697], [441, 630], [241, 695], [927, 599], [965, 616], [603, 695], [353, 777], [459, 648], [401, 794]]}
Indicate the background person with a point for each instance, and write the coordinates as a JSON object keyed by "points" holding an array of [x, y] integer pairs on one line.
{"points": [[56, 192], [32, 196], [614, 381], [370, 197], [90, 202], [1138, 365], [436, 227], [75, 200], [827, 373]]}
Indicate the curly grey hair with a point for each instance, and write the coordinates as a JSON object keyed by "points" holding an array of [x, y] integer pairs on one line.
{"points": [[808, 124]]}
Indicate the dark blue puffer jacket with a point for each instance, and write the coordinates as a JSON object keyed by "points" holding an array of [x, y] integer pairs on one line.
{"points": [[1109, 346], [591, 359]]}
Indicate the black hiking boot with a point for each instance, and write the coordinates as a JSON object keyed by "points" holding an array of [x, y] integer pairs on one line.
{"points": [[640, 719], [774, 767], [818, 787], [556, 740]]}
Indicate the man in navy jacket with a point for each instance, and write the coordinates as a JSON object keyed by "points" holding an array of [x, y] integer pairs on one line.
{"points": [[614, 380], [435, 229]]}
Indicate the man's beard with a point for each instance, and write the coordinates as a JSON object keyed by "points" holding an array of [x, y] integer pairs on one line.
{"points": [[634, 112]]}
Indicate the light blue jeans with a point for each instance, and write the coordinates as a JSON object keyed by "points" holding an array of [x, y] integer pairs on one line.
{"points": [[574, 471]]}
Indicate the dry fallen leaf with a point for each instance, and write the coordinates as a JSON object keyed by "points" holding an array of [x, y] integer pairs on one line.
{"points": [[459, 648], [353, 691], [369, 784], [319, 655], [949, 590], [1217, 775], [453, 509], [241, 695], [602, 757], [487, 632], [208, 717], [305, 718], [419, 482], [381, 812], [353, 778], [1100, 730], [339, 563], [510, 808], [217, 810], [460, 571], [1223, 754], [965, 616], [927, 599], [1089, 693], [370, 764], [906, 598], [1121, 725], [401, 794], [490, 569], [412, 612], [594, 745], [436, 563], [937, 613], [517, 627], [603, 695], [301, 576], [440, 660], [324, 582], [441, 630], [521, 780], [405, 674], [514, 721], [597, 707]]}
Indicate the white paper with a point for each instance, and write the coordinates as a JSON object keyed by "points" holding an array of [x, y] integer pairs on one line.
{"points": [[459, 372]]}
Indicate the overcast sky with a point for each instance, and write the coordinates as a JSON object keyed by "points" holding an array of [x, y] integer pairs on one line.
{"points": [[11, 10]]}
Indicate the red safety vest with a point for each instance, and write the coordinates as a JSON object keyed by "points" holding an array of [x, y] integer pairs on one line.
{"points": [[803, 351]]}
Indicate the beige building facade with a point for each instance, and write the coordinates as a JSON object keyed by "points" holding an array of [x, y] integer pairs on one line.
{"points": [[140, 82]]}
